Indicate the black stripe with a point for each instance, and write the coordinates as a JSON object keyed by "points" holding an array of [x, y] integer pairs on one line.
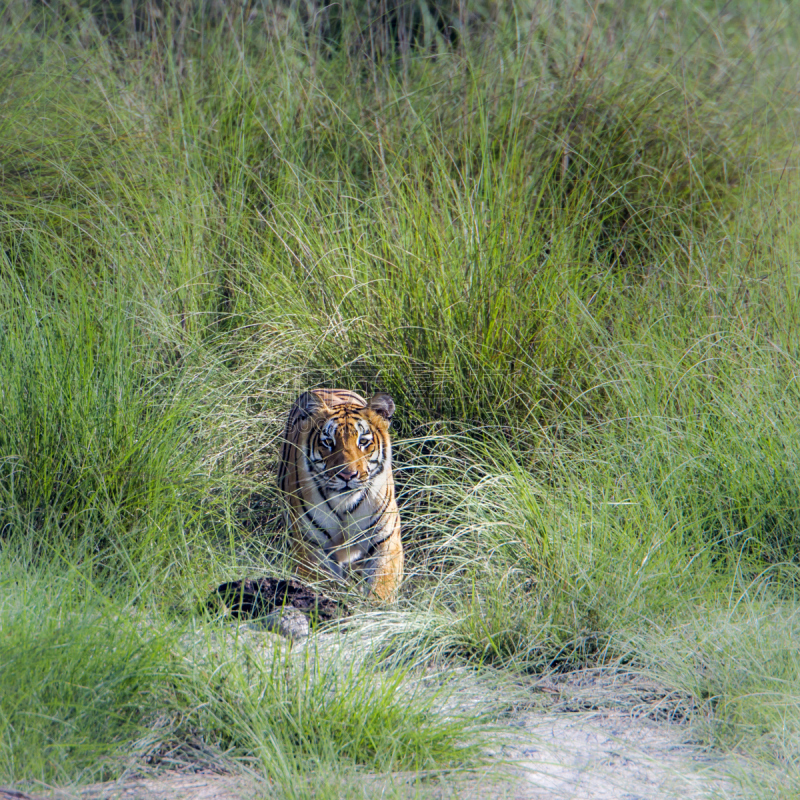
{"points": [[318, 477], [361, 500], [312, 442], [381, 460], [289, 451], [377, 516], [368, 535], [307, 514], [376, 543], [380, 470]]}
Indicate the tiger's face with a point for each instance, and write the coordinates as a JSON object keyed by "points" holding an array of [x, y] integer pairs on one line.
{"points": [[348, 449]]}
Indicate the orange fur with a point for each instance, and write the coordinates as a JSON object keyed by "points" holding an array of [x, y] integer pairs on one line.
{"points": [[336, 477]]}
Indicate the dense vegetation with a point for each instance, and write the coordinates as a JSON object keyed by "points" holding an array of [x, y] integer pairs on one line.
{"points": [[563, 236]]}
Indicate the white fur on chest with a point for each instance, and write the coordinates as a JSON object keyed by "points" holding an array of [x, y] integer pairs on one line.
{"points": [[345, 529]]}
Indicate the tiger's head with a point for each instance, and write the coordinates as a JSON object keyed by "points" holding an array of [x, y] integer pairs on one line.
{"points": [[348, 445]]}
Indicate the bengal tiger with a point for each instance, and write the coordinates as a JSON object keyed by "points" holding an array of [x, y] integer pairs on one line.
{"points": [[335, 475]]}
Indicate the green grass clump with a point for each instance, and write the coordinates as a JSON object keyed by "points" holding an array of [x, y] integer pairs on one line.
{"points": [[289, 717], [90, 687], [77, 683], [564, 238]]}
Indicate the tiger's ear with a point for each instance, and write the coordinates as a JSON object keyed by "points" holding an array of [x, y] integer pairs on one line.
{"points": [[309, 403], [383, 405]]}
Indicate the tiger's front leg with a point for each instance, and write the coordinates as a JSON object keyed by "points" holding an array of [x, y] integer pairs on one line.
{"points": [[383, 569], [315, 564]]}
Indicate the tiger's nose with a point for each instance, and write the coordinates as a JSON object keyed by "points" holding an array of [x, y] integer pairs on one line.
{"points": [[347, 474]]}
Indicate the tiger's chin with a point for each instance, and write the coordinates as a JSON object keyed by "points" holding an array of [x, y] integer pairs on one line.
{"points": [[349, 499], [337, 488]]}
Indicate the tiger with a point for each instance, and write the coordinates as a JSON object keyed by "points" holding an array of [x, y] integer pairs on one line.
{"points": [[335, 475]]}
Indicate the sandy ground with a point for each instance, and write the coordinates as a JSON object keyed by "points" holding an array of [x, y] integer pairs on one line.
{"points": [[611, 757], [603, 735]]}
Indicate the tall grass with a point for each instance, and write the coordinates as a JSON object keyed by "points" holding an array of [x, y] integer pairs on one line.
{"points": [[564, 238]]}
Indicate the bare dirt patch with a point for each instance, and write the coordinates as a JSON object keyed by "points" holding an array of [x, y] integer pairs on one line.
{"points": [[600, 734], [168, 786], [610, 756]]}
